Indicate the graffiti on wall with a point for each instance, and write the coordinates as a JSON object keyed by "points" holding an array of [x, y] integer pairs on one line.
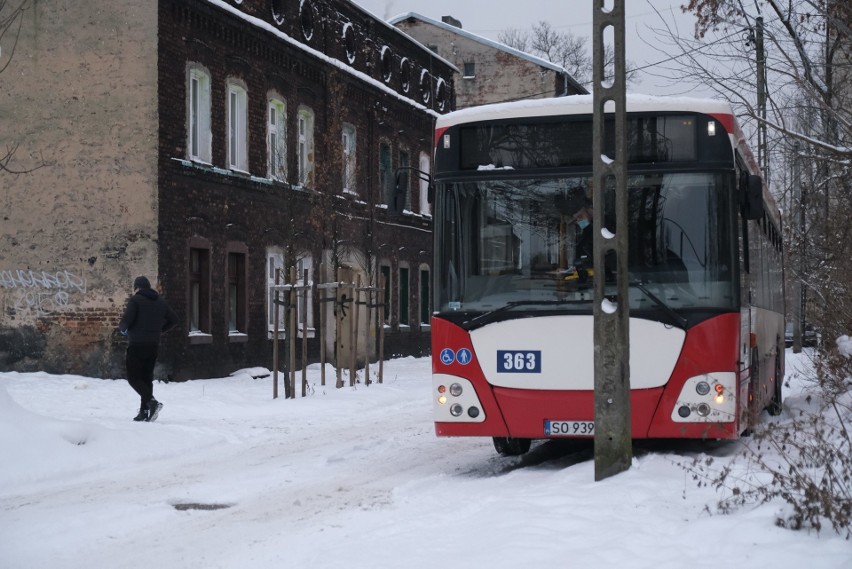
{"points": [[40, 292]]}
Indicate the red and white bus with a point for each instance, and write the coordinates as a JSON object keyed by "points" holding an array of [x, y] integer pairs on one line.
{"points": [[512, 331]]}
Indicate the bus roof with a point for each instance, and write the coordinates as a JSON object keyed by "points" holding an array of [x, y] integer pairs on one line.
{"points": [[579, 105]]}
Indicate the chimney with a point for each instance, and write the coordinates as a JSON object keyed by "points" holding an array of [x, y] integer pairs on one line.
{"points": [[451, 21]]}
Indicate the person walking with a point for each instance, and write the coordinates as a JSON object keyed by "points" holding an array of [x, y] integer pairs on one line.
{"points": [[146, 317]]}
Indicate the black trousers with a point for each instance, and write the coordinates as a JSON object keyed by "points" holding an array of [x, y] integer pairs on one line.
{"points": [[140, 370]]}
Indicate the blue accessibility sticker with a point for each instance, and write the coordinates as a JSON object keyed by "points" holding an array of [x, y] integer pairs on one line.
{"points": [[463, 356], [447, 356]]}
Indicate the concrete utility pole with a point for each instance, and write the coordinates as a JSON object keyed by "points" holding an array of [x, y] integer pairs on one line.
{"points": [[613, 442]]}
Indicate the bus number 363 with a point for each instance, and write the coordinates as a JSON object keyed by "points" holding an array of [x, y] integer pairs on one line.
{"points": [[514, 361]]}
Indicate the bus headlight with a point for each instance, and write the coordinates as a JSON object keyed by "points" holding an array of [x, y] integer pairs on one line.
{"points": [[708, 397], [455, 400]]}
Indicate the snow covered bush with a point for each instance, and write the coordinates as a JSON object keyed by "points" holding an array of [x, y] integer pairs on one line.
{"points": [[803, 459]]}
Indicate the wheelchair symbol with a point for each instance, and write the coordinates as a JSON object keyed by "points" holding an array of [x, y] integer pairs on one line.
{"points": [[447, 356]]}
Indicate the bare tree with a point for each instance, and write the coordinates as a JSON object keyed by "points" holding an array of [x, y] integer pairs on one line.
{"points": [[11, 20], [807, 117], [562, 48]]}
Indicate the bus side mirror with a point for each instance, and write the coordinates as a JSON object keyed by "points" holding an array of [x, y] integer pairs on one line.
{"points": [[752, 197]]}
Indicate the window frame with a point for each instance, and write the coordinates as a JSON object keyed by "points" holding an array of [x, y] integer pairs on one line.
{"points": [[199, 144], [404, 161], [423, 183], [274, 260], [236, 297], [385, 271], [386, 181], [305, 146], [305, 261], [425, 298], [237, 127], [349, 142], [276, 138], [404, 295], [198, 299]]}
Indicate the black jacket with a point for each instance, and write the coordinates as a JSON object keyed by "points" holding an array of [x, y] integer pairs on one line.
{"points": [[146, 317]]}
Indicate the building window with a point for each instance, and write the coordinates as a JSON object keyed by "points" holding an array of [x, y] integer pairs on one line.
{"points": [[237, 127], [386, 58], [404, 292], [278, 7], [199, 290], [425, 297], [425, 86], [441, 97], [423, 182], [306, 16], [403, 192], [198, 142], [405, 74], [274, 262], [385, 272], [469, 70], [385, 174], [277, 140], [349, 159], [237, 305], [349, 42], [306, 146], [304, 302]]}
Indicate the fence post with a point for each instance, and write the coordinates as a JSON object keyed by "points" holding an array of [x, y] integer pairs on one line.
{"points": [[291, 333], [322, 332], [275, 336], [305, 291], [381, 328]]}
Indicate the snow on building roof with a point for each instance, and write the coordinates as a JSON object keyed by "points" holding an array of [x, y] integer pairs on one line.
{"points": [[490, 43], [330, 60]]}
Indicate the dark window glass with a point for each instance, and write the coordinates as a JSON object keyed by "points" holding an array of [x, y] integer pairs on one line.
{"points": [[386, 278], [404, 294], [561, 144], [527, 241], [199, 290], [425, 307]]}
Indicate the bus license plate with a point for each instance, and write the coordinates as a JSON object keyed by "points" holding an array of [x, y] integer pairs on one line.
{"points": [[569, 428]]}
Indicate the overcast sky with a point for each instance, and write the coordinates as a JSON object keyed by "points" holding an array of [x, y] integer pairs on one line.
{"points": [[490, 18]]}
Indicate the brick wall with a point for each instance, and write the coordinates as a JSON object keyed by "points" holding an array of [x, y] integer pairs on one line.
{"points": [[221, 207]]}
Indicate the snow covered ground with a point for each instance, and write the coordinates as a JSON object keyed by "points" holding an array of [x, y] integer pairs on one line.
{"points": [[350, 478]]}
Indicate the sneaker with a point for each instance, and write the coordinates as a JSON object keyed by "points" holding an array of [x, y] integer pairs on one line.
{"points": [[154, 407], [142, 416]]}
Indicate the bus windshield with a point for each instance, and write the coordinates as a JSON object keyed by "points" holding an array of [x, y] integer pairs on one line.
{"points": [[528, 242]]}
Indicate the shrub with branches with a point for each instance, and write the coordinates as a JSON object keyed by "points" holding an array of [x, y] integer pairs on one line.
{"points": [[804, 461]]}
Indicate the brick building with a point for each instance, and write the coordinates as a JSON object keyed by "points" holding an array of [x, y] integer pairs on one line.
{"points": [[206, 143], [491, 72]]}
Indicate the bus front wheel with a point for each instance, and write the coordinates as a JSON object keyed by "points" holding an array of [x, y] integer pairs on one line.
{"points": [[508, 446]]}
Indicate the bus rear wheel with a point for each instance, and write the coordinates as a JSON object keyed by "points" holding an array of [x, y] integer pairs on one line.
{"points": [[508, 446], [775, 406]]}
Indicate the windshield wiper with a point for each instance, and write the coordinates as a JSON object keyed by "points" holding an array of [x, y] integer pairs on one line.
{"points": [[659, 302], [488, 317]]}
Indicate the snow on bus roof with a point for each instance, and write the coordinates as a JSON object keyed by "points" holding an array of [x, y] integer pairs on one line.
{"points": [[578, 105]]}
